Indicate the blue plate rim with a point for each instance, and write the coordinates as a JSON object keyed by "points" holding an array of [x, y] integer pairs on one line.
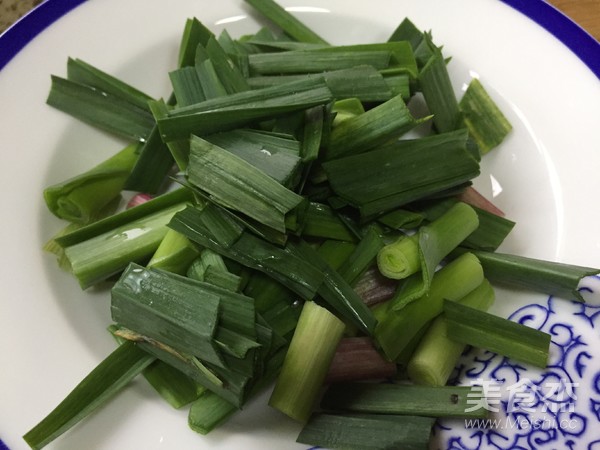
{"points": [[24, 30], [572, 35], [580, 42]]}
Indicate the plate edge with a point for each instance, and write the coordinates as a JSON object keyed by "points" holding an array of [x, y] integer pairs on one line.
{"points": [[579, 41], [24, 30]]}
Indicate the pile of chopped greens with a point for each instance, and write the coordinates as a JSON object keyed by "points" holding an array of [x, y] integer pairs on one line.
{"points": [[288, 232]]}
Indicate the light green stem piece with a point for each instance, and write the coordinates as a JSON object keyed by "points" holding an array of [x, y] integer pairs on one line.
{"points": [[82, 198], [174, 254], [436, 356], [396, 329], [307, 361], [400, 259]]}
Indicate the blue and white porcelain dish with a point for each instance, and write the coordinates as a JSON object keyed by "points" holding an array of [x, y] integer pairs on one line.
{"points": [[545, 177]]}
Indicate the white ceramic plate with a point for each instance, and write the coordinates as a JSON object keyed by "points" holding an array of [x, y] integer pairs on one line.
{"points": [[545, 177]]}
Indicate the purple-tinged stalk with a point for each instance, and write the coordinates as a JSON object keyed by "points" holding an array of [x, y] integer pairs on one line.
{"points": [[357, 359]]}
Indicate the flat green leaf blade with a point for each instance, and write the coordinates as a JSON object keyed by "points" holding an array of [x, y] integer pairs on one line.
{"points": [[209, 80], [272, 156], [171, 384], [235, 110], [548, 277], [336, 291], [220, 225], [367, 432], [312, 133], [274, 302], [410, 400], [237, 184], [230, 75], [401, 172], [309, 61], [402, 219], [169, 309], [483, 330], [491, 232], [186, 86], [435, 83], [219, 276], [180, 149], [208, 122], [229, 385], [100, 109], [194, 34], [211, 410], [274, 142], [366, 131], [253, 252], [84, 73], [485, 121], [152, 167], [252, 98], [108, 378], [399, 85], [363, 82], [208, 412], [286, 21], [402, 58], [322, 221], [237, 311], [235, 344], [362, 257], [407, 31]]}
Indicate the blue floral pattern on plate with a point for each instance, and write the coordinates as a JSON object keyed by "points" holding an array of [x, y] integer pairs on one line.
{"points": [[554, 408]]}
